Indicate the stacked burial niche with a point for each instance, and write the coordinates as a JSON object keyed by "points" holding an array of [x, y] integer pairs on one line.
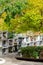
{"points": [[0, 43], [8, 43], [4, 42], [10, 48]]}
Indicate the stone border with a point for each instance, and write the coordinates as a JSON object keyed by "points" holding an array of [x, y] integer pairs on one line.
{"points": [[29, 59]]}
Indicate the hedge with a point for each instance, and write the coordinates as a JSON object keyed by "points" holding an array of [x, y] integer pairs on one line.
{"points": [[31, 51]]}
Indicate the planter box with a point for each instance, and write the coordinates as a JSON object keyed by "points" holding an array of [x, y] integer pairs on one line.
{"points": [[29, 59]]}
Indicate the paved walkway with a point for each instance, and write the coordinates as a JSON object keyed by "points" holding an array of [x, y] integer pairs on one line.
{"points": [[10, 60]]}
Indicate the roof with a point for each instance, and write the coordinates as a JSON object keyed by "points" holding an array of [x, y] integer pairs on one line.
{"points": [[37, 33]]}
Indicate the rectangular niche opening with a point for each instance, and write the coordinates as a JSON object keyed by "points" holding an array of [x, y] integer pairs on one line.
{"points": [[4, 34], [10, 42], [4, 43]]}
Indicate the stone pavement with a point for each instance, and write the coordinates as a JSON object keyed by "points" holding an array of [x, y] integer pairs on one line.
{"points": [[11, 60]]}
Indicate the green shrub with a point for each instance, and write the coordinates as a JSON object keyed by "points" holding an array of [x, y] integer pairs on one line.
{"points": [[35, 54], [31, 51], [10, 35]]}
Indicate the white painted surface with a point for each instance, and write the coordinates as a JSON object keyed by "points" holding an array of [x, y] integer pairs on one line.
{"points": [[2, 61]]}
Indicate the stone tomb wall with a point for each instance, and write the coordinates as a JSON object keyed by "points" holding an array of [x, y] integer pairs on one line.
{"points": [[6, 45]]}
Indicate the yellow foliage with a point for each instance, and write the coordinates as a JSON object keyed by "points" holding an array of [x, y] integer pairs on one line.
{"points": [[1, 21], [3, 26], [37, 3], [4, 15]]}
